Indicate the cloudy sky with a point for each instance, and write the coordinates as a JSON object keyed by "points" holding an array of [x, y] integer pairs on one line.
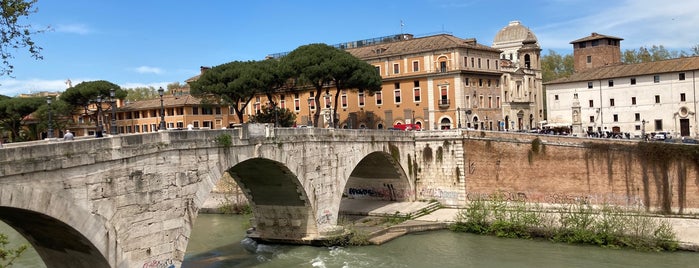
{"points": [[157, 42]]}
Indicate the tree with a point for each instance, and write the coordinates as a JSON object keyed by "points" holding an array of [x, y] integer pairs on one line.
{"points": [[85, 94], [273, 77], [8, 256], [554, 66], [141, 93], [233, 83], [312, 65], [269, 114], [14, 111], [654, 53], [350, 72], [14, 34]]}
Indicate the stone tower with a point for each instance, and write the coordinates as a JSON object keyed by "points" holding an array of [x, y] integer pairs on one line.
{"points": [[596, 50]]}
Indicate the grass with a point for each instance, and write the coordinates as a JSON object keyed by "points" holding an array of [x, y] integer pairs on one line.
{"points": [[608, 226]]}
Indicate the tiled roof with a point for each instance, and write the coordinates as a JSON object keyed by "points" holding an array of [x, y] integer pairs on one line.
{"points": [[629, 70], [417, 45], [168, 101], [595, 36]]}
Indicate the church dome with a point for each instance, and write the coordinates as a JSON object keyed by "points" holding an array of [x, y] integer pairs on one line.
{"points": [[514, 32]]}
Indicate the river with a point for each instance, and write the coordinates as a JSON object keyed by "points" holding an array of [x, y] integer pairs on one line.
{"points": [[216, 242]]}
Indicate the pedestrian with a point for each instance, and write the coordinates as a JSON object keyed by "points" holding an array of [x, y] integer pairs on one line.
{"points": [[68, 136]]}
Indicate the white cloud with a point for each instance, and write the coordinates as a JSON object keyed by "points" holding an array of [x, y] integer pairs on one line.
{"points": [[73, 28], [638, 22], [148, 69]]}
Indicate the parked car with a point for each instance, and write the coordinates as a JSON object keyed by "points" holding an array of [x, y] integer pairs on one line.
{"points": [[661, 136]]}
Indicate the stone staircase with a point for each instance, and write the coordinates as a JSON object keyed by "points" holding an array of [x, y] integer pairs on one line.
{"points": [[410, 226]]}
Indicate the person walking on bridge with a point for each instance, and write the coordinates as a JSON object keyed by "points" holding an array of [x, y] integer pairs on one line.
{"points": [[68, 136]]}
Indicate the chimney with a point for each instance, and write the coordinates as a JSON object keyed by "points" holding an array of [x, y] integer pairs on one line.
{"points": [[203, 69]]}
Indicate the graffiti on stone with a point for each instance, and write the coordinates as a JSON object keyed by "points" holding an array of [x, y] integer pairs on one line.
{"points": [[387, 192], [437, 193], [159, 264]]}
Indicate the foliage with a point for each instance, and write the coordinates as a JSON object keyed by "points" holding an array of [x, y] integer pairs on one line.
{"points": [[61, 115], [13, 113], [554, 66], [577, 223], [14, 34], [82, 95], [654, 53], [283, 117], [234, 83], [224, 140], [141, 93], [8, 256]]}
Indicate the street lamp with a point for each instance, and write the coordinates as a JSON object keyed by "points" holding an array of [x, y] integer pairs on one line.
{"points": [[458, 117], [98, 132], [113, 129], [310, 119], [162, 109], [328, 105], [49, 131], [643, 130]]}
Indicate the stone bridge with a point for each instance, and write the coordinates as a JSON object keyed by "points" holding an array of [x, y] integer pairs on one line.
{"points": [[130, 200]]}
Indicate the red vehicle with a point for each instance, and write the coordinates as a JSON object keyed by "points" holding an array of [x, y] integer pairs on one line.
{"points": [[406, 127]]}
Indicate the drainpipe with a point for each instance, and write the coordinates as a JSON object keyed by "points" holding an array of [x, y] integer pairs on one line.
{"points": [[694, 90]]}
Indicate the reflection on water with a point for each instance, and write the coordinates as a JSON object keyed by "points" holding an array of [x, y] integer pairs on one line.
{"points": [[29, 258], [219, 241], [430, 249]]}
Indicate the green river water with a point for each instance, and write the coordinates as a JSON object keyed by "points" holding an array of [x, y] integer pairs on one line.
{"points": [[218, 241]]}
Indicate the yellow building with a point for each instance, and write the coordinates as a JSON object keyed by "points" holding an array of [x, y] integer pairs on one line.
{"points": [[437, 81]]}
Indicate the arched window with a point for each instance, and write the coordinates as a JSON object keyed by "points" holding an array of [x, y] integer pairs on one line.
{"points": [[527, 61], [445, 123]]}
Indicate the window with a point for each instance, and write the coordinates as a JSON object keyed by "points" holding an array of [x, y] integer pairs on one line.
{"points": [[637, 117], [396, 96], [468, 101], [638, 127], [416, 94], [633, 81], [443, 95], [480, 101], [480, 82], [657, 98], [633, 100], [611, 82], [343, 99], [595, 43], [656, 78], [379, 99], [467, 82], [589, 84], [297, 103], [479, 63], [681, 76], [592, 103], [257, 106], [658, 124], [473, 60], [378, 69], [611, 102], [218, 110], [497, 102], [592, 119], [589, 59], [616, 118], [396, 68], [416, 66], [490, 101], [582, 44], [361, 98], [555, 97], [282, 102], [443, 66], [195, 109], [326, 99], [683, 97]]}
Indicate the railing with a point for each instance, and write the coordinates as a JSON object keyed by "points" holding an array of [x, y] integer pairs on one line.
{"points": [[443, 103]]}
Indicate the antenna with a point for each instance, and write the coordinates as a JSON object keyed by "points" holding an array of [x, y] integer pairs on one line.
{"points": [[401, 26]]}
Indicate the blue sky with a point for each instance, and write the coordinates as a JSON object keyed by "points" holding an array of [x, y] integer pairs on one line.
{"points": [[157, 42]]}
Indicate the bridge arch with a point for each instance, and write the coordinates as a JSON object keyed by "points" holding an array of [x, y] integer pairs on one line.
{"points": [[63, 234], [278, 199], [378, 176]]}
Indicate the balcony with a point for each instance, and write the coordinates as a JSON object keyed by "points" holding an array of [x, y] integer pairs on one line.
{"points": [[443, 103]]}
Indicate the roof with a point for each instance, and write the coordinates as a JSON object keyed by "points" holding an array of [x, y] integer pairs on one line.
{"points": [[168, 101], [596, 36], [417, 45], [513, 32], [629, 70]]}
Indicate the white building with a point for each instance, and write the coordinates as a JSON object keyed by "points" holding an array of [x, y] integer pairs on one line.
{"points": [[625, 98]]}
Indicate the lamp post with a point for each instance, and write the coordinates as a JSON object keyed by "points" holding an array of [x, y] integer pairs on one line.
{"points": [[49, 131], [113, 128], [328, 97], [310, 118], [98, 131], [458, 117], [643, 130], [162, 109]]}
